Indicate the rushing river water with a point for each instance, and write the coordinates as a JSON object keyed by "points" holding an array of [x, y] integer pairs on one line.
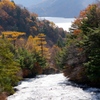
{"points": [[53, 87]]}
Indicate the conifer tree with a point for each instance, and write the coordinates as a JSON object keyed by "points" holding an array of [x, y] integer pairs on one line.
{"points": [[12, 35], [38, 44], [8, 67]]}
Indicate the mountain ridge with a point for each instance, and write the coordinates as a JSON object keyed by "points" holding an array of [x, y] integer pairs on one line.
{"points": [[55, 8], [58, 8]]}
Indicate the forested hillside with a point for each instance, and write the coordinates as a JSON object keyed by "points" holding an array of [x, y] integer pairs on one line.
{"points": [[80, 58], [15, 18]]}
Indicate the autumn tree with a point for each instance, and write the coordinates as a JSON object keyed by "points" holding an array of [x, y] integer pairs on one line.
{"points": [[12, 35], [41, 43], [38, 44], [83, 16], [7, 4], [31, 44]]}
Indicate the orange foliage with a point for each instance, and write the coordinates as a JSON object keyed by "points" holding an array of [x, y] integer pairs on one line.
{"points": [[86, 11], [77, 21], [80, 49], [90, 7], [83, 15], [77, 31]]}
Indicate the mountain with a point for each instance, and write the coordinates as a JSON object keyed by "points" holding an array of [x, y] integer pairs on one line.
{"points": [[59, 8], [55, 8], [27, 3]]}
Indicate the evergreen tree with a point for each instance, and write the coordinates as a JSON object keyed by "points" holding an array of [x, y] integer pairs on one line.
{"points": [[8, 67], [83, 47]]}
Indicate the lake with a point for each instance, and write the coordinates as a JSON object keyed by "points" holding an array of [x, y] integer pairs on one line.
{"points": [[64, 23]]}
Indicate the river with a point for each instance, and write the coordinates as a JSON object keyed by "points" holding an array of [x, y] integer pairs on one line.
{"points": [[53, 87]]}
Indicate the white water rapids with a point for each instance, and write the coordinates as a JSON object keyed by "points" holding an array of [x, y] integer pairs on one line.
{"points": [[53, 87]]}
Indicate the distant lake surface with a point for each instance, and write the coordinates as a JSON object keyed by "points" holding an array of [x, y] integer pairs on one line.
{"points": [[64, 23]]}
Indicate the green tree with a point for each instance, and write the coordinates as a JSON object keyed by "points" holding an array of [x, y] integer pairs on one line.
{"points": [[30, 61], [61, 58], [90, 42], [92, 51], [8, 68], [83, 50], [42, 42]]}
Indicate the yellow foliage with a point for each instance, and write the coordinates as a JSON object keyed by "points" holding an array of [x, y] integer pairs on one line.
{"points": [[11, 39], [1, 4], [7, 3], [37, 44], [29, 44], [41, 35], [12, 35]]}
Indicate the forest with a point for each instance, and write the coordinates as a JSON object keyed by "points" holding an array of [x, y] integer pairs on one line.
{"points": [[29, 47], [80, 56], [26, 45]]}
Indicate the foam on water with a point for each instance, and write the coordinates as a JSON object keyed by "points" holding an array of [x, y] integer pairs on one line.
{"points": [[53, 87]]}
